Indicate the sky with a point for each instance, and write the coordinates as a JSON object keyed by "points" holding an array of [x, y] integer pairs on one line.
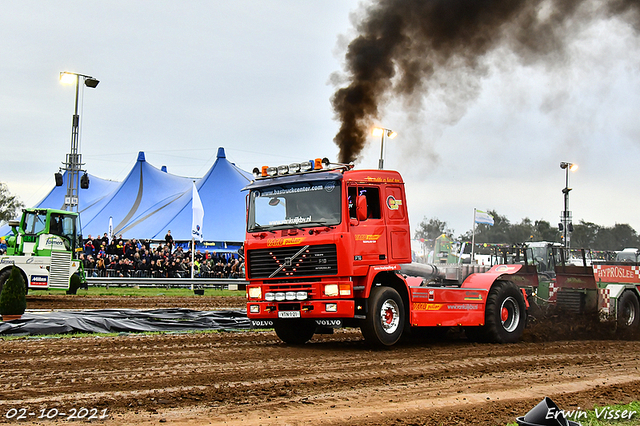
{"points": [[180, 79]]}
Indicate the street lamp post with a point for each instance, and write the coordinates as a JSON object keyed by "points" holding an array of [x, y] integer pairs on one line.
{"points": [[565, 215], [74, 158], [379, 131]]}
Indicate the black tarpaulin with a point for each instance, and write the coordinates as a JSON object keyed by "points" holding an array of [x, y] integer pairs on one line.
{"points": [[124, 320]]}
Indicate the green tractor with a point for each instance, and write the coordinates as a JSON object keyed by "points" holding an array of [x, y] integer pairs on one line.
{"points": [[44, 245]]}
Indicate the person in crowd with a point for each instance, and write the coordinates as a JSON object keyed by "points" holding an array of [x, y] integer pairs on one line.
{"points": [[169, 240], [100, 267], [89, 248]]}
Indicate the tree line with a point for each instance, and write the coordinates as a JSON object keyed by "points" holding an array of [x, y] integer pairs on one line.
{"points": [[584, 235]]}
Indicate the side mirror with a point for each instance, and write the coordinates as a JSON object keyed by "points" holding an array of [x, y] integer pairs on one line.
{"points": [[361, 207]]}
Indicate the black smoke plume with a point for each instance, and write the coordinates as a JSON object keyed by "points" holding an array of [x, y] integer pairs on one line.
{"points": [[401, 44]]}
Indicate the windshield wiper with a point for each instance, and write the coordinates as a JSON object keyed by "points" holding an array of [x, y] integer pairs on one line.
{"points": [[260, 228]]}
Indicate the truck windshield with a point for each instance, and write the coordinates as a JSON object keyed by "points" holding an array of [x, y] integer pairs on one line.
{"points": [[296, 205]]}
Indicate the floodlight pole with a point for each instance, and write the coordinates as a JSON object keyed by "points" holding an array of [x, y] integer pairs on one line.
{"points": [[381, 161], [73, 161], [390, 134], [566, 214]]}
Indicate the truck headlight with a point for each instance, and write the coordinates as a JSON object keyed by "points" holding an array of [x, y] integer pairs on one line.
{"points": [[331, 307], [254, 309], [255, 292], [331, 290]]}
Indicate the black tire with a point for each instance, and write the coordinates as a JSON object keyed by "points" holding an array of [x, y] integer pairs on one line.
{"points": [[505, 314], [628, 315], [295, 332], [385, 318]]}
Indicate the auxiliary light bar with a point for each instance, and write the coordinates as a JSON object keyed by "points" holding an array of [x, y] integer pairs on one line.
{"points": [[293, 168]]}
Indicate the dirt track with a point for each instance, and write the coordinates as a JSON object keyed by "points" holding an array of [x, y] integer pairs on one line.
{"points": [[252, 378]]}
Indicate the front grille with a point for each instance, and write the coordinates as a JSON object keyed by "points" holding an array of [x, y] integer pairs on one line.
{"points": [[282, 262], [60, 266]]}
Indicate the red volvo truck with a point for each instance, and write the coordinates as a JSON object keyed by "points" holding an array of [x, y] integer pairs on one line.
{"points": [[328, 246]]}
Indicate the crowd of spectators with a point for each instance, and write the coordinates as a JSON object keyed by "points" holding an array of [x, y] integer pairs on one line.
{"points": [[118, 257]]}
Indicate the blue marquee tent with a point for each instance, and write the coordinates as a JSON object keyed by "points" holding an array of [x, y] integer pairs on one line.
{"points": [[150, 201]]}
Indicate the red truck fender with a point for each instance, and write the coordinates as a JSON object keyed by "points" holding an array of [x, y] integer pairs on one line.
{"points": [[486, 279], [391, 278]]}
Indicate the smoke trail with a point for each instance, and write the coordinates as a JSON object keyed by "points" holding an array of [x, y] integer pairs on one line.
{"points": [[401, 45]]}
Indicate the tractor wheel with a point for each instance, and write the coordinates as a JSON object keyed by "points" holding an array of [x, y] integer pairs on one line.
{"points": [[385, 317], [295, 332], [505, 314], [628, 313]]}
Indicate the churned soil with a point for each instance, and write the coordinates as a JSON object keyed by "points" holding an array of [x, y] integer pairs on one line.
{"points": [[251, 377]]}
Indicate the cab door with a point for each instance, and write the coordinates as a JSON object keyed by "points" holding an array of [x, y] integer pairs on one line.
{"points": [[399, 233], [369, 234]]}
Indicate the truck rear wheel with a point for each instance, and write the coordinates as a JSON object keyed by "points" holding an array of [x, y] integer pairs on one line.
{"points": [[295, 332], [628, 312], [385, 318], [505, 314]]}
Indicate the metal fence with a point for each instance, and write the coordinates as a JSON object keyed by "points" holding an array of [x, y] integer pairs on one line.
{"points": [[198, 283], [137, 273]]}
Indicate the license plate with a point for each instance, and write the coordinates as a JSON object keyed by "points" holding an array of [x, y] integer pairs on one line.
{"points": [[289, 314]]}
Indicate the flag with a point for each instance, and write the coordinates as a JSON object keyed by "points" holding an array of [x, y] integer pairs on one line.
{"points": [[198, 215], [484, 217], [110, 228]]}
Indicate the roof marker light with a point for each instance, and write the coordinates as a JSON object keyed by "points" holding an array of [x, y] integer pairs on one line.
{"points": [[306, 166], [272, 171], [264, 171], [283, 170], [318, 164], [256, 172], [294, 167]]}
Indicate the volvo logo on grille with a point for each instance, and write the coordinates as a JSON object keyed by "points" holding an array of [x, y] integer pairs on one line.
{"points": [[287, 261]]}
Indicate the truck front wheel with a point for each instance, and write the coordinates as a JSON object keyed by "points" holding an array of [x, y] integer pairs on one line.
{"points": [[386, 317], [295, 332], [628, 312]]}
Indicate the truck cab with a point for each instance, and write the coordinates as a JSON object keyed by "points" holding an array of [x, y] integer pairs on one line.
{"points": [[315, 240]]}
